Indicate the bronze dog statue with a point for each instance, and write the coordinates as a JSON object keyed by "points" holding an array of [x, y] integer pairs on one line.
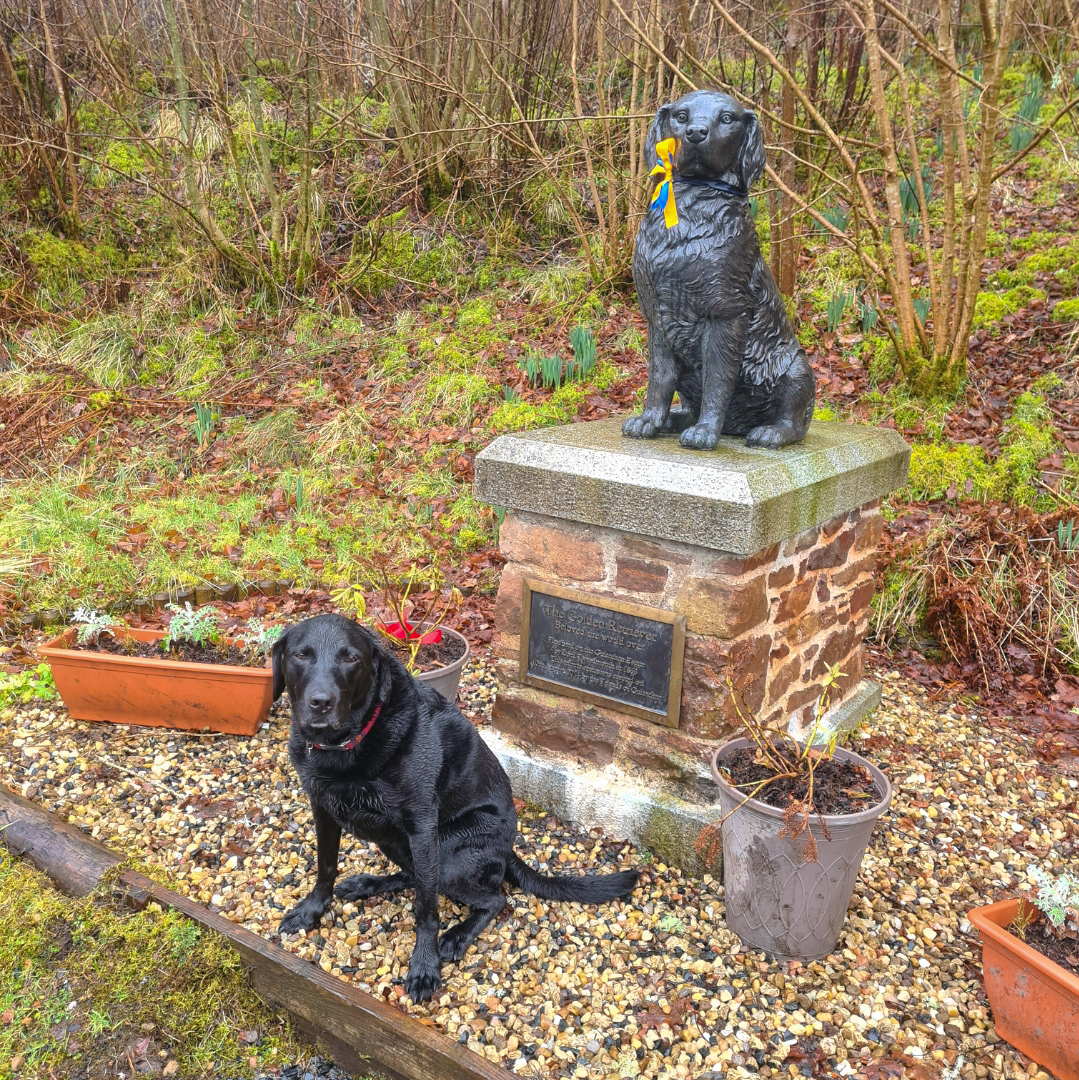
{"points": [[718, 334]]}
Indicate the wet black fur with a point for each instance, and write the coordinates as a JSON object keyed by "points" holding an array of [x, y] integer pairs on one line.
{"points": [[422, 785], [718, 334]]}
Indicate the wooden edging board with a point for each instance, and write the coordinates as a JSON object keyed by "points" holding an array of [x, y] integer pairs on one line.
{"points": [[365, 1034]]}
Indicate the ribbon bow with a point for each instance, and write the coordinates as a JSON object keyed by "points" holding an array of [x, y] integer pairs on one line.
{"points": [[663, 196]]}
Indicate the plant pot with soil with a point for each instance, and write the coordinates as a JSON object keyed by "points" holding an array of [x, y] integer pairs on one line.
{"points": [[435, 656], [797, 819], [189, 677], [412, 628], [1030, 964]]}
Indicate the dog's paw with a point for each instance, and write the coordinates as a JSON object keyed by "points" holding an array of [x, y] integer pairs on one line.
{"points": [[699, 437], [357, 887], [453, 944], [641, 427], [306, 915], [422, 980], [772, 436]]}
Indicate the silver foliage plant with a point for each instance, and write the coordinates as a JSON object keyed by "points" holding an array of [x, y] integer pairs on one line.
{"points": [[1057, 896], [256, 637], [197, 625], [90, 625]]}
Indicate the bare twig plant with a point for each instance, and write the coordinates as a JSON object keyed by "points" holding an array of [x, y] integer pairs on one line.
{"points": [[412, 605], [785, 757]]}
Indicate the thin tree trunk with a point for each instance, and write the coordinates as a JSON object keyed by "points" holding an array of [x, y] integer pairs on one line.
{"points": [[71, 210], [269, 187], [908, 330]]}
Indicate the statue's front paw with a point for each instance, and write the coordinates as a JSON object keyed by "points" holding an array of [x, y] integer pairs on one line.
{"points": [[772, 436], [700, 437], [644, 426]]}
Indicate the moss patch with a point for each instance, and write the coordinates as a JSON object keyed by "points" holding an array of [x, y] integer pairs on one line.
{"points": [[1066, 310], [991, 307], [559, 408], [84, 983], [63, 267], [394, 254], [937, 468], [945, 470]]}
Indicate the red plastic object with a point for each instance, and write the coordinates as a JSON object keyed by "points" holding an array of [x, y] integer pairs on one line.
{"points": [[407, 632]]}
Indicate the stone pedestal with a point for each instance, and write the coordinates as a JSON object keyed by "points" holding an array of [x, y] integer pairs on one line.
{"points": [[768, 555]]}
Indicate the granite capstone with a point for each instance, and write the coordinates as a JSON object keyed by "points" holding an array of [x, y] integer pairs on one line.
{"points": [[734, 499]]}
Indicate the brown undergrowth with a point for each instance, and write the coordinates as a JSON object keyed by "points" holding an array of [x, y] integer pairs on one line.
{"points": [[1000, 587]]}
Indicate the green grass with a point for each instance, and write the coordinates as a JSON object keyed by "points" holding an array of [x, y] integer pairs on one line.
{"points": [[84, 981], [111, 542]]}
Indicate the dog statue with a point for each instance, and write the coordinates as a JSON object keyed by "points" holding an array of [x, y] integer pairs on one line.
{"points": [[718, 334]]}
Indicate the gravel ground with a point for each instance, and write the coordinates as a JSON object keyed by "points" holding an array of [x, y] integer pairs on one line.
{"points": [[655, 988]]}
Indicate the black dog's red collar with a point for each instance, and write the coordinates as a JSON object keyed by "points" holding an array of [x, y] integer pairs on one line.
{"points": [[354, 742]]}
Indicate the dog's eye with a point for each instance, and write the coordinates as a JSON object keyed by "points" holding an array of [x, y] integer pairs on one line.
{"points": [[682, 117], [304, 654], [727, 118], [351, 658]]}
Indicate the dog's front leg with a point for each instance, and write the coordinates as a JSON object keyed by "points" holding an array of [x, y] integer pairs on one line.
{"points": [[307, 913], [662, 384], [424, 969], [721, 360]]}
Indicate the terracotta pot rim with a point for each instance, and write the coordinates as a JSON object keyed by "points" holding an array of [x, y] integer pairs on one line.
{"points": [[59, 646], [757, 806], [984, 919]]}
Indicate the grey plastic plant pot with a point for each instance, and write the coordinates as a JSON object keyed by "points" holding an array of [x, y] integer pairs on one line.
{"points": [[447, 679], [776, 901]]}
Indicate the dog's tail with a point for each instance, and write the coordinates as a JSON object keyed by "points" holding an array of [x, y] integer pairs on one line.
{"points": [[588, 889]]}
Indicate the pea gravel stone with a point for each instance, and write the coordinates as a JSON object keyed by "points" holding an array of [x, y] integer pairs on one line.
{"points": [[657, 987]]}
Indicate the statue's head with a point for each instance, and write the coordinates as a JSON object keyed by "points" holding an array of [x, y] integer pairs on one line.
{"points": [[717, 138]]}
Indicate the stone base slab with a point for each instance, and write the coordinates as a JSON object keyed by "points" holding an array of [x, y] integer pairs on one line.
{"points": [[736, 498], [631, 804]]}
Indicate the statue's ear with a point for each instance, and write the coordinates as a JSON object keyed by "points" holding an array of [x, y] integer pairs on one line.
{"points": [[751, 158], [659, 131]]}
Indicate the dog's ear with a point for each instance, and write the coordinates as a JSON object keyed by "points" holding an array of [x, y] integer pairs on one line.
{"points": [[381, 668], [277, 655], [751, 157], [385, 678], [659, 131]]}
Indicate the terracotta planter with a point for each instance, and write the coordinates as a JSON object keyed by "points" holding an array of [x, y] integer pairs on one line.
{"points": [[158, 693], [447, 679], [776, 901], [1035, 1001]]}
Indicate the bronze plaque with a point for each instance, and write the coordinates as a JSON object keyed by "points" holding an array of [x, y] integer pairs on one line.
{"points": [[624, 656]]}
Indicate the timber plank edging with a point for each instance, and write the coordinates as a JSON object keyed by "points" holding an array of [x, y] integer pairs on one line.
{"points": [[366, 1034]]}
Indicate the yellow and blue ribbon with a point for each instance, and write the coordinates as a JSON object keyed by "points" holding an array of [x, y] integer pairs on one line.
{"points": [[663, 196]]}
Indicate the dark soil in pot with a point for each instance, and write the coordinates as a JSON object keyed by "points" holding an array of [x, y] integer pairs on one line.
{"points": [[430, 657], [186, 651], [1038, 935], [839, 787]]}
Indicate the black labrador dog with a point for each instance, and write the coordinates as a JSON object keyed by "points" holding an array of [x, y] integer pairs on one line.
{"points": [[390, 760], [718, 334]]}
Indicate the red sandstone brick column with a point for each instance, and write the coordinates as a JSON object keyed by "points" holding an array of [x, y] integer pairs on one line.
{"points": [[767, 624]]}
